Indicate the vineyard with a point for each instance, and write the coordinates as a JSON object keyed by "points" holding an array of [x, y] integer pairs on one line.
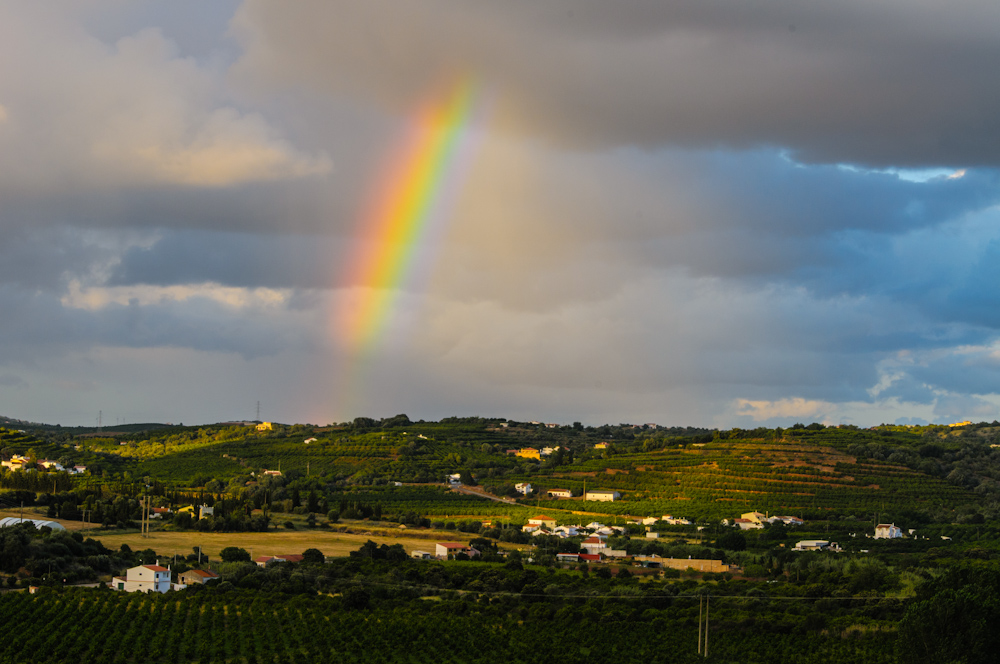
{"points": [[102, 626], [725, 478]]}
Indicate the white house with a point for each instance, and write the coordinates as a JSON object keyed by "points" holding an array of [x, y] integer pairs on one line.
{"points": [[523, 488], [566, 531], [146, 579], [811, 545], [888, 531], [560, 493], [593, 544], [49, 464]]}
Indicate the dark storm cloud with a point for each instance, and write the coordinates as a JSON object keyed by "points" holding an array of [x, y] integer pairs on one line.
{"points": [[880, 83]]}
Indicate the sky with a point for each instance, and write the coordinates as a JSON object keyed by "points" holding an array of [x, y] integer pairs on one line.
{"points": [[717, 213]]}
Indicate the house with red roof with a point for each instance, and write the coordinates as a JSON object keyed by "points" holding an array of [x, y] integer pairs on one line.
{"points": [[544, 521], [593, 544], [262, 561], [198, 576]]}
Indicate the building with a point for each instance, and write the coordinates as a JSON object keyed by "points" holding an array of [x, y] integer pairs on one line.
{"points": [[197, 576], [560, 493], [593, 544], [544, 521], [77, 470], [311, 440], [17, 462], [38, 523], [811, 545], [265, 426], [600, 446], [144, 579], [446, 550], [887, 531], [568, 557], [49, 464], [523, 488], [755, 517], [529, 453], [262, 561], [747, 524], [205, 510], [603, 496], [421, 555], [787, 520]]}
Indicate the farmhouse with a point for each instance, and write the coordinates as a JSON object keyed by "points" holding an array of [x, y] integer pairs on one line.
{"points": [[523, 488], [197, 576], [560, 493], [265, 426], [446, 550], [145, 579], [603, 496], [262, 561], [888, 531], [811, 545], [593, 544], [529, 453], [544, 521]]}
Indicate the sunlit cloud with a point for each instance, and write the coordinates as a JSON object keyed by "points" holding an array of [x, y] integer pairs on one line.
{"points": [[94, 298]]}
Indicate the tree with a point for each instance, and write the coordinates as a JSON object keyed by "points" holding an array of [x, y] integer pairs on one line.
{"points": [[734, 540], [233, 554], [953, 625], [313, 556]]}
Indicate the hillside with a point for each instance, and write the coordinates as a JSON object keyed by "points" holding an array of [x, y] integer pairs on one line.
{"points": [[815, 472]]}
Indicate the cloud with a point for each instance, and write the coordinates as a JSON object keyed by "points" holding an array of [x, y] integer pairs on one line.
{"points": [[783, 408], [855, 82], [134, 113]]}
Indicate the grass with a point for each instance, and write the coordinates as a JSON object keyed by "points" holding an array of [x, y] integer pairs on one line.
{"points": [[274, 542]]}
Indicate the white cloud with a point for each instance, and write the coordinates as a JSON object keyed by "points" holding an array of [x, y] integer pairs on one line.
{"points": [[94, 298], [130, 114]]}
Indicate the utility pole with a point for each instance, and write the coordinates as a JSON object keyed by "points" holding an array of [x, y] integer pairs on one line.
{"points": [[701, 603], [708, 602], [258, 411]]}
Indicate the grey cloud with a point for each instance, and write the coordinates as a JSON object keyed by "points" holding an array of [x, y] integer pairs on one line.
{"points": [[885, 83], [233, 259]]}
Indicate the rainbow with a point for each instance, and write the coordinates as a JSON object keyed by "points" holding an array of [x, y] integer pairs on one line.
{"points": [[407, 212]]}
